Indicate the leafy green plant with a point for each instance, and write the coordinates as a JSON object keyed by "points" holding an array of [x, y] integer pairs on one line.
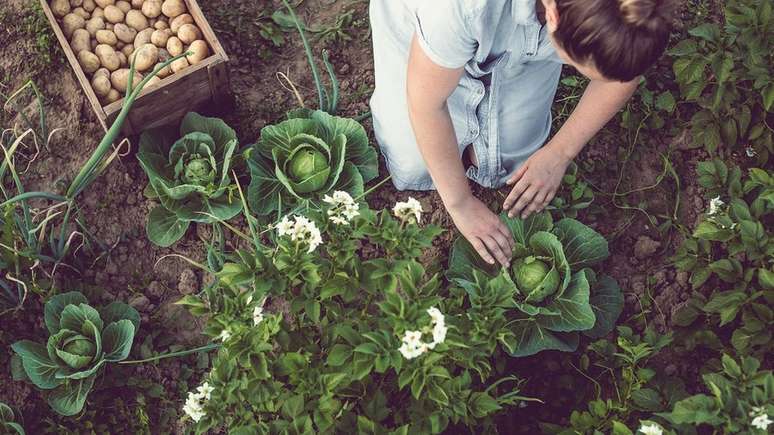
{"points": [[730, 252], [741, 400], [317, 339], [82, 341], [574, 195], [625, 387], [295, 163], [7, 421], [189, 173], [727, 72], [551, 293]]}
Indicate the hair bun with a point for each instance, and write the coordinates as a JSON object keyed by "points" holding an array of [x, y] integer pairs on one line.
{"points": [[638, 12]]}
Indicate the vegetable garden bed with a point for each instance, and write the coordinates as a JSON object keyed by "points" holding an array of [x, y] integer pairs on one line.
{"points": [[269, 279]]}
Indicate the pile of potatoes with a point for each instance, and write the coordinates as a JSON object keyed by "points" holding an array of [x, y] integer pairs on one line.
{"points": [[106, 35]]}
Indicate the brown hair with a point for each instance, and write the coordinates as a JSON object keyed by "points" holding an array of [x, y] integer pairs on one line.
{"points": [[622, 38]]}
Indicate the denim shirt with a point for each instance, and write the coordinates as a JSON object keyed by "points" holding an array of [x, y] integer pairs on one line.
{"points": [[502, 105]]}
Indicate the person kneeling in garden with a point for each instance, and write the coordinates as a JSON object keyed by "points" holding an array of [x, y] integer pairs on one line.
{"points": [[475, 79]]}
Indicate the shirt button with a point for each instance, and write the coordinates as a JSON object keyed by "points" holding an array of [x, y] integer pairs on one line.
{"points": [[474, 132]]}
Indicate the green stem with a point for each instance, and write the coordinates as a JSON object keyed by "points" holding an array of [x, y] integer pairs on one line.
{"points": [[375, 187], [207, 348]]}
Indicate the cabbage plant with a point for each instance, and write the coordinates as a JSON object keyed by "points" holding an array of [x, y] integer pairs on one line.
{"points": [[300, 160], [189, 172], [555, 293], [82, 341]]}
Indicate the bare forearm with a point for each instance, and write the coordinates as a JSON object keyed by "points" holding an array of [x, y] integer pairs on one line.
{"points": [[600, 102], [437, 142]]}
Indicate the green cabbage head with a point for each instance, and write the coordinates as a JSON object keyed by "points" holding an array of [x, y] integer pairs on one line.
{"points": [[190, 173], [554, 292], [82, 340], [302, 159]]}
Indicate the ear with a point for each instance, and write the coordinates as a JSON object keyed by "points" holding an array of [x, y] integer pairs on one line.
{"points": [[552, 15]]}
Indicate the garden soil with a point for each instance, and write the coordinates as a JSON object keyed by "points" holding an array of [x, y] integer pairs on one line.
{"points": [[128, 267]]}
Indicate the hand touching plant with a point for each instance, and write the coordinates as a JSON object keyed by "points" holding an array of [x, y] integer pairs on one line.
{"points": [[302, 159], [82, 341], [554, 293], [190, 174]]}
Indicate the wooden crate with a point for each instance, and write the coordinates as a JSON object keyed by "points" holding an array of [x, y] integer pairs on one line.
{"points": [[165, 102]]}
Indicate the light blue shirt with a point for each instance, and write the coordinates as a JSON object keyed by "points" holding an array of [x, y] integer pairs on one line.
{"points": [[502, 105]]}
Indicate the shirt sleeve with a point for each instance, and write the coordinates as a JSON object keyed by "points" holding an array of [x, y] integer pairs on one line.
{"points": [[443, 32]]}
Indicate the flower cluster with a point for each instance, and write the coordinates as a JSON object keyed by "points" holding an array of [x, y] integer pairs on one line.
{"points": [[760, 419], [225, 335], [408, 210], [715, 206], [650, 429], [343, 207], [194, 404], [300, 229], [413, 346]]}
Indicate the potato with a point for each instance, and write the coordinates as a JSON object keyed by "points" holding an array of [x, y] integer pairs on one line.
{"points": [[151, 8], [124, 33], [113, 96], [199, 51], [161, 25], [143, 38], [189, 33], [110, 26], [179, 21], [137, 4], [105, 3], [163, 72], [125, 6], [98, 13], [145, 57], [108, 57], [173, 8], [153, 80], [175, 46], [80, 41], [120, 45], [122, 59], [179, 65], [136, 20], [114, 15], [89, 61], [101, 83], [81, 12], [60, 8], [89, 5], [76, 3], [119, 79], [159, 38], [94, 25], [71, 22], [107, 37], [128, 50]]}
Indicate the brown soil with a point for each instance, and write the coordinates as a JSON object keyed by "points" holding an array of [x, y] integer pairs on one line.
{"points": [[130, 268]]}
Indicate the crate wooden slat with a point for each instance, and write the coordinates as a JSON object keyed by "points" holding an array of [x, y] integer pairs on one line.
{"points": [[169, 100]]}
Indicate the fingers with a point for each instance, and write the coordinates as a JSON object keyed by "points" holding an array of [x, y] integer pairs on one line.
{"points": [[517, 176], [538, 204], [524, 200], [515, 194], [479, 246], [496, 247], [503, 230]]}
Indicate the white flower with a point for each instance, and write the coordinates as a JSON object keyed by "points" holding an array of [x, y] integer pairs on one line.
{"points": [[407, 210], [344, 208], [224, 335], [651, 429], [412, 346], [439, 333], [714, 206], [193, 407], [257, 315], [750, 151], [435, 314], [300, 230], [205, 390], [761, 422], [284, 227]]}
